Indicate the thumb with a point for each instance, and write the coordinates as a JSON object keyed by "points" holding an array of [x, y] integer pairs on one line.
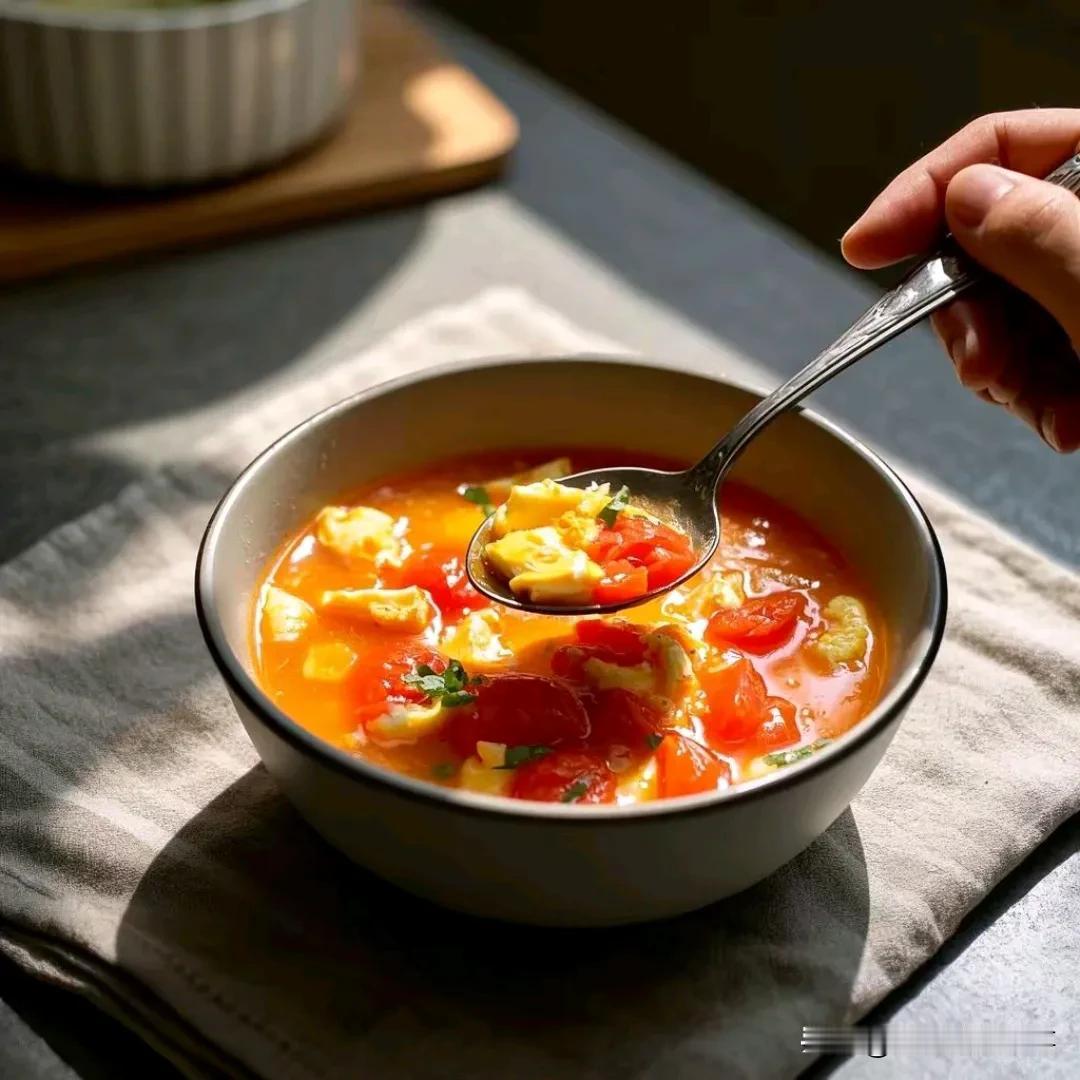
{"points": [[1024, 230]]}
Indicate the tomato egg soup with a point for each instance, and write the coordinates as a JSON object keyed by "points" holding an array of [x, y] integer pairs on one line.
{"points": [[367, 632]]}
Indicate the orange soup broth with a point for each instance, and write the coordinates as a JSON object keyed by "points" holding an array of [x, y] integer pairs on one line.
{"points": [[773, 547]]}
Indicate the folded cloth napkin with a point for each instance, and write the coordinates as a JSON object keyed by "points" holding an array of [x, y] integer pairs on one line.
{"points": [[147, 860]]}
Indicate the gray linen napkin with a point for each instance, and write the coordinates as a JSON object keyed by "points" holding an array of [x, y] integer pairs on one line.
{"points": [[147, 860]]}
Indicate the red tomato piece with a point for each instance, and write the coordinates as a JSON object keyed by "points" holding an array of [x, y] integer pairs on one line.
{"points": [[622, 581], [378, 678], [603, 549], [443, 575], [568, 662], [637, 531], [685, 767], [779, 727], [578, 776], [736, 696], [636, 538], [519, 710], [614, 641], [759, 625], [618, 641], [670, 539], [622, 718], [667, 566]]}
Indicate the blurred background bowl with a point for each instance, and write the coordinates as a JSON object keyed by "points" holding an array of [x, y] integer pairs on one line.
{"points": [[102, 92]]}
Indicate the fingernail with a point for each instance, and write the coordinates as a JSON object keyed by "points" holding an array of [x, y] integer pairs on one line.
{"points": [[974, 190], [961, 349], [1050, 429]]}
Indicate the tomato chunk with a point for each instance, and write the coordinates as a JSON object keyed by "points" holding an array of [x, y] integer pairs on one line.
{"points": [[622, 718], [759, 625], [578, 776], [779, 726], [685, 767], [635, 544], [519, 710], [667, 566], [637, 539], [619, 641], [622, 581], [736, 696], [444, 576], [568, 662], [378, 676], [614, 641], [602, 549]]}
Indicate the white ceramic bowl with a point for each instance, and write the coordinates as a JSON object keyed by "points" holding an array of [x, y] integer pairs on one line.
{"points": [[545, 863], [152, 97]]}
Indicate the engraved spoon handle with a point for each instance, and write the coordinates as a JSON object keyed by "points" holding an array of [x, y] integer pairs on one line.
{"points": [[931, 285]]}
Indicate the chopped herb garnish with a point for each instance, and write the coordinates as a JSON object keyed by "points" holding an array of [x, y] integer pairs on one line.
{"points": [[449, 687], [654, 740], [575, 791], [518, 755], [478, 495], [443, 770], [789, 757], [620, 502]]}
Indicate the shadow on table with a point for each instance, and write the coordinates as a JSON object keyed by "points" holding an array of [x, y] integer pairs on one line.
{"points": [[1061, 845], [69, 1050], [89, 358], [249, 894]]}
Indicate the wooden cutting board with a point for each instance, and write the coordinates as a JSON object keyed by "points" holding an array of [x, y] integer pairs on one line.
{"points": [[421, 125]]}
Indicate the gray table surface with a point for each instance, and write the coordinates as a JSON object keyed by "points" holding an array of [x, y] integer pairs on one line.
{"points": [[108, 373]]}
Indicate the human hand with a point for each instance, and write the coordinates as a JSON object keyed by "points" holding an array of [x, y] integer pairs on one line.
{"points": [[1015, 347]]}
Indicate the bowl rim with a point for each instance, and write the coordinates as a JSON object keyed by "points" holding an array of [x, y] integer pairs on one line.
{"points": [[191, 16], [453, 799]]}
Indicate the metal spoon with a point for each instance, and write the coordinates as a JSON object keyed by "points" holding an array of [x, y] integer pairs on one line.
{"points": [[688, 499]]}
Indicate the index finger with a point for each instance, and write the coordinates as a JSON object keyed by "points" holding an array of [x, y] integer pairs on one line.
{"points": [[907, 217]]}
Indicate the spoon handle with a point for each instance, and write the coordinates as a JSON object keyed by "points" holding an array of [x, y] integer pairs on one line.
{"points": [[931, 285]]}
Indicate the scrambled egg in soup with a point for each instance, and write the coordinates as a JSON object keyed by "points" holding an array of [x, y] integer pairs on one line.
{"points": [[367, 631]]}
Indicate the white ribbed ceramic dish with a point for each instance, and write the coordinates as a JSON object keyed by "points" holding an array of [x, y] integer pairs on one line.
{"points": [[146, 98]]}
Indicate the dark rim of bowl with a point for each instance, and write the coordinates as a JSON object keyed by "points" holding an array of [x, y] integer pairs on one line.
{"points": [[244, 686]]}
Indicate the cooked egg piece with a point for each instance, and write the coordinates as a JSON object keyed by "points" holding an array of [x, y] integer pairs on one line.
{"points": [[491, 754], [723, 589], [571, 581], [847, 634], [538, 565], [328, 661], [484, 772], [475, 641], [756, 769], [285, 616], [409, 610], [359, 532], [530, 506], [406, 723], [671, 651], [638, 679], [577, 530]]}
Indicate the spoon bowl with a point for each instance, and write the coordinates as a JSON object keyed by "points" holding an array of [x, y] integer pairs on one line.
{"points": [[676, 498]]}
